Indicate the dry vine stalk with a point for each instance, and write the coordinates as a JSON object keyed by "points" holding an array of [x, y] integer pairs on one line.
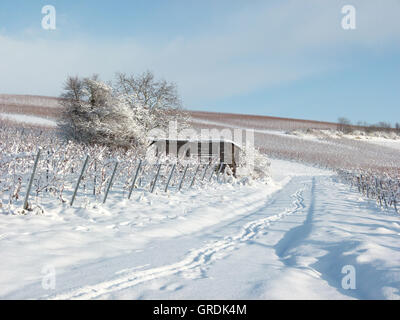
{"points": [[381, 187]]}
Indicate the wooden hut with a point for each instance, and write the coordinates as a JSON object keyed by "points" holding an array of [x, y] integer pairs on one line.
{"points": [[224, 152]]}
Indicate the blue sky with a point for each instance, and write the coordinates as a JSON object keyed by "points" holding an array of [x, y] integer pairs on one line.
{"points": [[282, 58]]}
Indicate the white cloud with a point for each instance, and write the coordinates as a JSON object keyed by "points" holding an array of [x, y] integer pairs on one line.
{"points": [[260, 46]]}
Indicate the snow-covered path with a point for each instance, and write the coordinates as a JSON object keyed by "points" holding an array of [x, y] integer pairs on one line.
{"points": [[291, 244]]}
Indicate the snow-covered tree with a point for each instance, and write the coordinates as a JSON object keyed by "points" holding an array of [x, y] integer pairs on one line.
{"points": [[159, 96], [95, 112]]}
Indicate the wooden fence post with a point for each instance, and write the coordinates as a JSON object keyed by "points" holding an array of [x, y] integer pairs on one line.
{"points": [[31, 180], [79, 180], [183, 177], [169, 178], [134, 179], [194, 176], [111, 181], [155, 178], [219, 171], [205, 171], [212, 172], [47, 170], [94, 178]]}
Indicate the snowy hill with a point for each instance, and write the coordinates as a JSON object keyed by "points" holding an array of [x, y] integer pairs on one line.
{"points": [[277, 137], [300, 234]]}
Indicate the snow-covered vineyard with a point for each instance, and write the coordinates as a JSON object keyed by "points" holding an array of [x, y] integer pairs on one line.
{"points": [[384, 189], [66, 172], [200, 234]]}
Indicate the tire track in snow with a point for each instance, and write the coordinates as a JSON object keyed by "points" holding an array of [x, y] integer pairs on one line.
{"points": [[192, 264], [294, 236]]}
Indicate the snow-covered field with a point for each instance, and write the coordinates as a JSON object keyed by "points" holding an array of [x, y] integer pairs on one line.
{"points": [[28, 119], [316, 146], [294, 237], [390, 143], [391, 140], [29, 101], [327, 136], [288, 239]]}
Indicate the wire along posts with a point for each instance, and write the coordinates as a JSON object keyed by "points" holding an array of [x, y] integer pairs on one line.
{"points": [[79, 180], [134, 179], [31, 181], [169, 178], [78, 177], [110, 183]]}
